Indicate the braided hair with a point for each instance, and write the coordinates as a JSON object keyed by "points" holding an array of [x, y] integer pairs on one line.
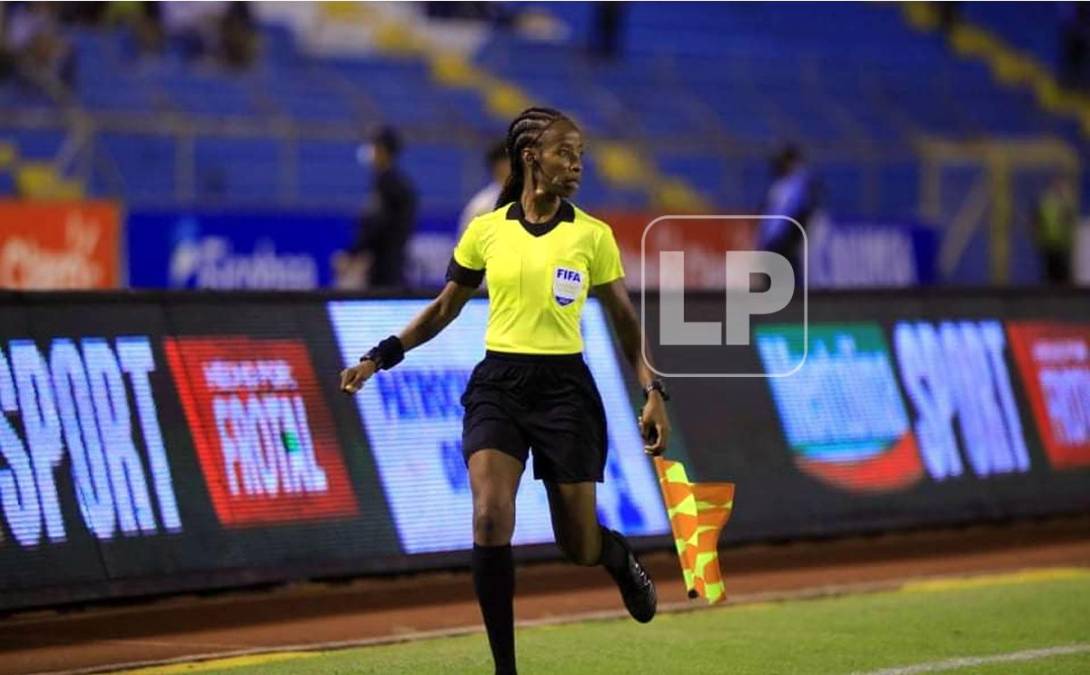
{"points": [[524, 132]]}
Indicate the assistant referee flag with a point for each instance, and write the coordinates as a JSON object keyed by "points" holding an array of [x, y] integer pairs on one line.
{"points": [[698, 512]]}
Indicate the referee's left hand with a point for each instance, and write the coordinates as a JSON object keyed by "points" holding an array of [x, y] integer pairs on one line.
{"points": [[353, 377], [654, 425]]}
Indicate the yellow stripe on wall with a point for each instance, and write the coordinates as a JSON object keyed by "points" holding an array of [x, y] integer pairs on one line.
{"points": [[1005, 579]]}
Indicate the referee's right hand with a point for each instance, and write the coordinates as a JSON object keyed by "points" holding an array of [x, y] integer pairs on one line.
{"points": [[352, 378]]}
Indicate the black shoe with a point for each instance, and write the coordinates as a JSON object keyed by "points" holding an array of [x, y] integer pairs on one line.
{"points": [[637, 589]]}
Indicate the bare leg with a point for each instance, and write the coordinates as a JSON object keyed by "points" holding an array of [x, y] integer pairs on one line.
{"points": [[585, 542], [575, 521]]}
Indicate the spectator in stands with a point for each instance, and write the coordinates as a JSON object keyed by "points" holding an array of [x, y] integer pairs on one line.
{"points": [[238, 37], [949, 15], [222, 31], [794, 193], [144, 21], [1075, 45], [1055, 219], [193, 27], [388, 223], [485, 200], [7, 59], [40, 53], [492, 12], [81, 13], [605, 40]]}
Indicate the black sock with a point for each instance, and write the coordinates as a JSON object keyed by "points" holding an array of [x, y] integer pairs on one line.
{"points": [[614, 551], [494, 581]]}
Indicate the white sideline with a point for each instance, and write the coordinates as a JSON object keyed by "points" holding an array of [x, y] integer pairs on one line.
{"points": [[971, 661], [739, 599]]}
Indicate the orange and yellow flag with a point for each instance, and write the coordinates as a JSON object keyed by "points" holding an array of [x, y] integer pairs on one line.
{"points": [[698, 512]]}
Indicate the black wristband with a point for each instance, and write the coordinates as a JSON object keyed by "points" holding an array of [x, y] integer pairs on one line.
{"points": [[656, 385], [386, 354]]}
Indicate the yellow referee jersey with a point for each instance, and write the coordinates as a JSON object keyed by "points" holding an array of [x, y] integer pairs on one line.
{"points": [[538, 275]]}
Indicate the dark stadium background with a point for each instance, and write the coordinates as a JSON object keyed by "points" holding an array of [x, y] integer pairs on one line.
{"points": [[174, 171]]}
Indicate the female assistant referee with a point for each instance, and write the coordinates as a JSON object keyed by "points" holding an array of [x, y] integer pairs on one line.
{"points": [[541, 256]]}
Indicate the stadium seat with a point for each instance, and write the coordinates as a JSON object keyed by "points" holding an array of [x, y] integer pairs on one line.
{"points": [[246, 170], [140, 167]]}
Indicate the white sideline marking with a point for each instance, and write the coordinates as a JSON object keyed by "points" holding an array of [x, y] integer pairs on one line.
{"points": [[970, 661], [738, 600]]}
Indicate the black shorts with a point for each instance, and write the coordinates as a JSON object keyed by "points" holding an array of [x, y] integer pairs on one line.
{"points": [[515, 402]]}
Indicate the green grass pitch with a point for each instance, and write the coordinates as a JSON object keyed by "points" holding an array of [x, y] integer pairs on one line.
{"points": [[921, 623]]}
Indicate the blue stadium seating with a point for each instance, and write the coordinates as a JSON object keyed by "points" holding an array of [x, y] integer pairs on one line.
{"points": [[246, 170], [330, 173], [39, 144], [143, 163], [706, 90], [16, 96], [1031, 27]]}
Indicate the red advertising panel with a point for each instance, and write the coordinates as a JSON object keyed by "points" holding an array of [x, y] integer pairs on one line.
{"points": [[704, 240], [58, 245], [1054, 359], [264, 437]]}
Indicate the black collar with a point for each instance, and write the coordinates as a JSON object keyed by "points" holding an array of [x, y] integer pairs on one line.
{"points": [[566, 212]]}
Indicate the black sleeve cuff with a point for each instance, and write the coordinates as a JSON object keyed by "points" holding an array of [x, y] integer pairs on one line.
{"points": [[463, 276]]}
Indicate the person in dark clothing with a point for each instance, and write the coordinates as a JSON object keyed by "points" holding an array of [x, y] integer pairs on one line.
{"points": [[1055, 220], [238, 36], [949, 15], [533, 391], [606, 38], [1074, 45], [385, 227], [794, 193]]}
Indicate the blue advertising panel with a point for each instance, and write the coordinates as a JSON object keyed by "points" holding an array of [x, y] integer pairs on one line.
{"points": [[864, 253], [235, 250], [413, 420]]}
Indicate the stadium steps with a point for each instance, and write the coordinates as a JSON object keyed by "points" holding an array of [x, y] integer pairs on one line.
{"points": [[1029, 26], [9, 154], [32, 177], [40, 180], [618, 162], [1010, 67]]}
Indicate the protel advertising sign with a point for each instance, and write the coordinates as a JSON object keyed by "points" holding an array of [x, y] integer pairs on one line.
{"points": [[264, 438], [1054, 361]]}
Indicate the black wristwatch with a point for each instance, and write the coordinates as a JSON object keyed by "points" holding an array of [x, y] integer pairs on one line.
{"points": [[656, 385]]}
